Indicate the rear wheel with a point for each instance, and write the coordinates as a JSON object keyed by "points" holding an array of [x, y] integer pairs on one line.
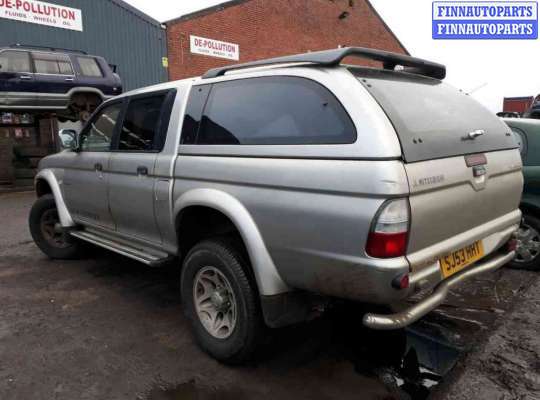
{"points": [[528, 247], [47, 232], [82, 105], [221, 301]]}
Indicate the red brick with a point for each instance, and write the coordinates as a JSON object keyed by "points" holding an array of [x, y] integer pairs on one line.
{"points": [[264, 28]]}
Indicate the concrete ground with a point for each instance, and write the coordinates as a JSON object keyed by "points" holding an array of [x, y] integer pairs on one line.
{"points": [[106, 327]]}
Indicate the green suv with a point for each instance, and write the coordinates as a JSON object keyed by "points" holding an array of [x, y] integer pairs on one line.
{"points": [[527, 134]]}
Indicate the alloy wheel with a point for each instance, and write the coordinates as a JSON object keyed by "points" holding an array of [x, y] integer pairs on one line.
{"points": [[528, 246], [215, 302]]}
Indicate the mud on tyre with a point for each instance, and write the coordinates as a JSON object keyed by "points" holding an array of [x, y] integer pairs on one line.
{"points": [[221, 301], [47, 233]]}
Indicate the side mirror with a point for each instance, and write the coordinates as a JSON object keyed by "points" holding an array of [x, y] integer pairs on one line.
{"points": [[68, 139]]}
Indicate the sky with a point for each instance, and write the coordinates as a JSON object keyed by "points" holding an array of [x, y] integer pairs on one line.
{"points": [[488, 69]]}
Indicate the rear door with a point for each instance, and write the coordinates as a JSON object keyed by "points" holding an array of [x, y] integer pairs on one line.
{"points": [[54, 77], [132, 164], [462, 162]]}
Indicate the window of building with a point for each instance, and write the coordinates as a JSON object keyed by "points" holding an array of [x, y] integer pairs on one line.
{"points": [[99, 132], [55, 64], [89, 67], [141, 123], [15, 61], [274, 110]]}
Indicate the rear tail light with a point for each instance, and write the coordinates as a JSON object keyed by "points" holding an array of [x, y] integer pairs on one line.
{"points": [[390, 230]]}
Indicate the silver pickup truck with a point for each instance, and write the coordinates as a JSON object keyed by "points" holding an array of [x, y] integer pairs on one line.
{"points": [[279, 185]]}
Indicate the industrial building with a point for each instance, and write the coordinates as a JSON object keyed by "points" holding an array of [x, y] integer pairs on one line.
{"points": [[113, 29], [247, 30], [517, 104], [127, 38], [145, 52]]}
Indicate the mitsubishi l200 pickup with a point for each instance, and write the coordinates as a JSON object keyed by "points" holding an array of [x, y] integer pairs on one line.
{"points": [[278, 184]]}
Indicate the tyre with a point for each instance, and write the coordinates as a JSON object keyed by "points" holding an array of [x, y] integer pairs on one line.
{"points": [[47, 233], [84, 115], [221, 301], [528, 247]]}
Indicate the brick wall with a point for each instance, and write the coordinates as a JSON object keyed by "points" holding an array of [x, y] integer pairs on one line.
{"points": [[47, 133], [271, 28], [6, 157]]}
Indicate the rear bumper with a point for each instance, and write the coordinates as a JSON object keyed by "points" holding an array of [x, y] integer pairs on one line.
{"points": [[417, 311]]}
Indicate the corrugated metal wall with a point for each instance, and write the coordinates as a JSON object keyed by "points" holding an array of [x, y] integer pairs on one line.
{"points": [[119, 33]]}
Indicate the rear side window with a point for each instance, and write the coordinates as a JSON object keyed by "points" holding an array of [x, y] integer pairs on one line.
{"points": [[141, 123], [193, 115], [64, 65], [274, 111], [56, 64], [15, 61], [89, 67]]}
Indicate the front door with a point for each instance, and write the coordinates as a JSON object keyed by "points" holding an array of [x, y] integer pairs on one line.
{"points": [[17, 83], [132, 178], [87, 175]]}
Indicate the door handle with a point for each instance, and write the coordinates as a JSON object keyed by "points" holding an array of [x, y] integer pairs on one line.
{"points": [[142, 170], [98, 167], [69, 79], [25, 77]]}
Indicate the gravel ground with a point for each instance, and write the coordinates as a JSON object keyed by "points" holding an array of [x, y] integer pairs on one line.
{"points": [[507, 365], [14, 209], [106, 327]]}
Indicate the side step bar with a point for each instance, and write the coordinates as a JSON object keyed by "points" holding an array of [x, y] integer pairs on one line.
{"points": [[152, 258]]}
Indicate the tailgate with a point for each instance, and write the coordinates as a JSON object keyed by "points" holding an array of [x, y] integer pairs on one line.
{"points": [[447, 199]]}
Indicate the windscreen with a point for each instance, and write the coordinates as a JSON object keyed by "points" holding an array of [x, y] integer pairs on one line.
{"points": [[433, 119]]}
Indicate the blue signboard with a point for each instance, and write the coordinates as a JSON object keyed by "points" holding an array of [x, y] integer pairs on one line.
{"points": [[485, 20]]}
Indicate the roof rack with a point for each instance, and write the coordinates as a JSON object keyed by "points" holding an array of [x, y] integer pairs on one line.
{"points": [[31, 46], [335, 56]]}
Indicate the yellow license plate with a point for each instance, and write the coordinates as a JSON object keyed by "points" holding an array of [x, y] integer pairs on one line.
{"points": [[459, 259]]}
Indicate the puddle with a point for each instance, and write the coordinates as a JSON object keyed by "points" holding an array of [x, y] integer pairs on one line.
{"points": [[191, 391], [433, 351]]}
